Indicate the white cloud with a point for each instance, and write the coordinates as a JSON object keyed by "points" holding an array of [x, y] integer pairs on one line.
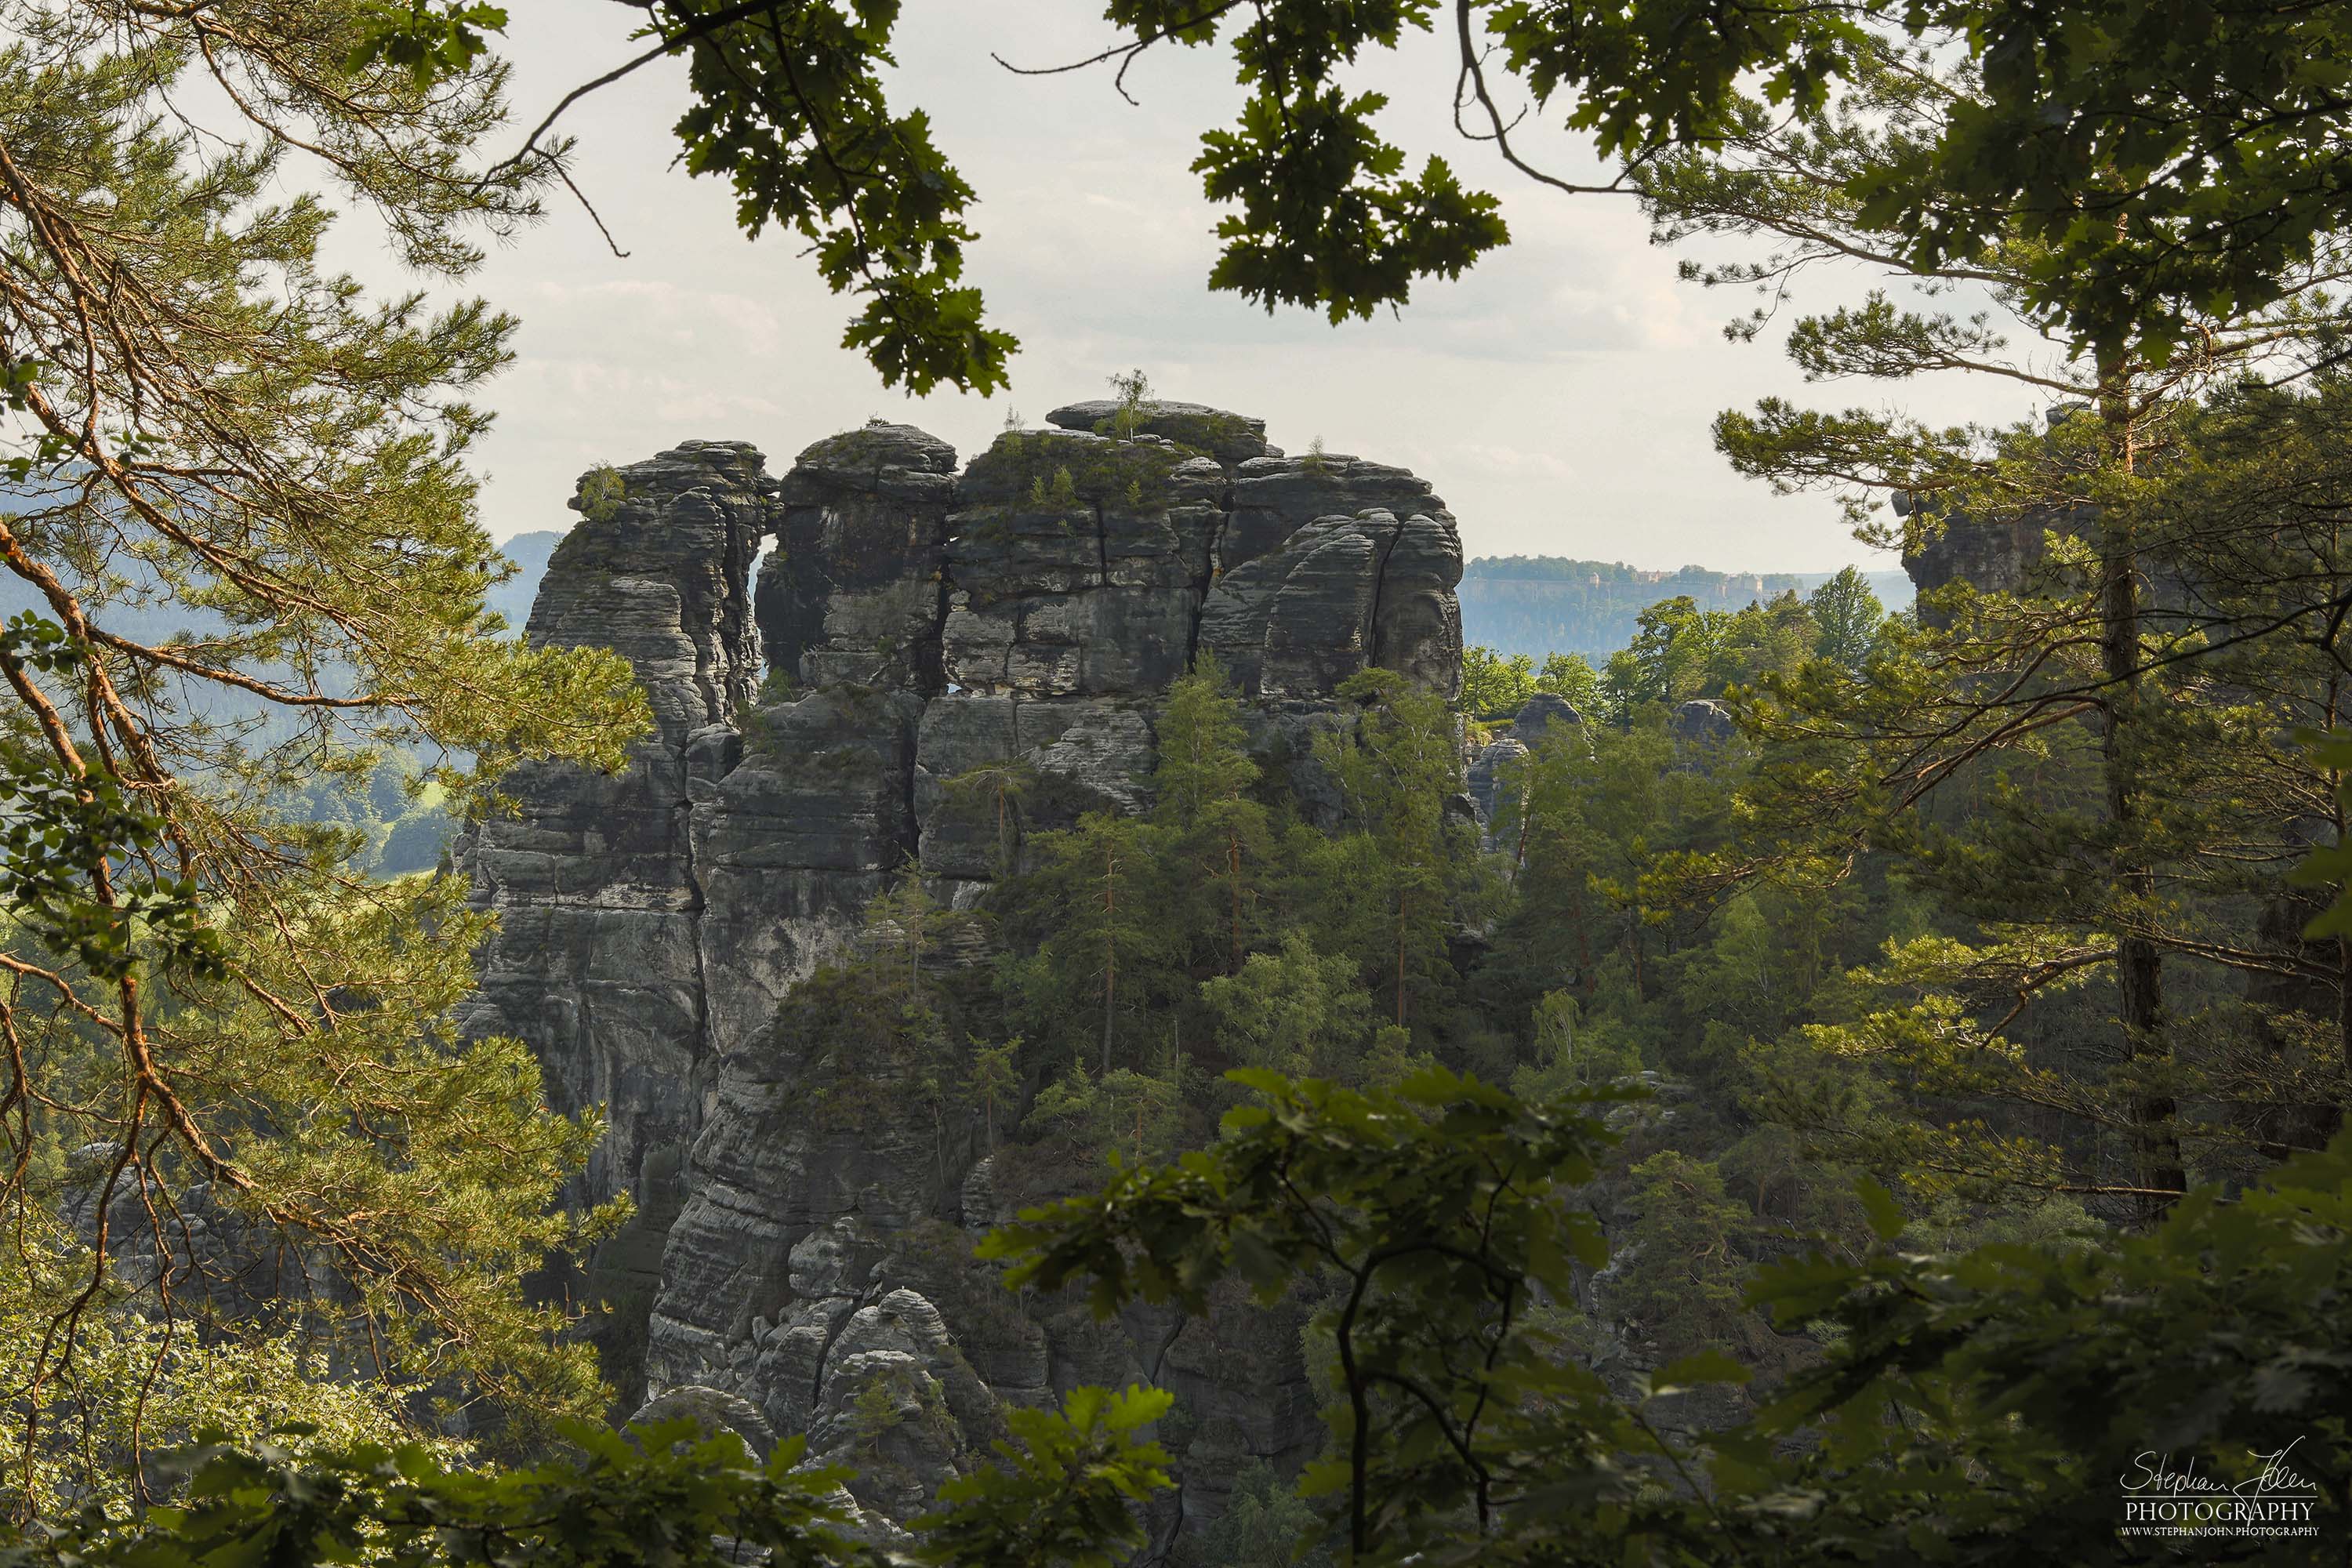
{"points": [[1558, 395]]}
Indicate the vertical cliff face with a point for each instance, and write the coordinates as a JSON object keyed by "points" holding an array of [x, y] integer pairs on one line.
{"points": [[1991, 556], [597, 961], [918, 626], [852, 592]]}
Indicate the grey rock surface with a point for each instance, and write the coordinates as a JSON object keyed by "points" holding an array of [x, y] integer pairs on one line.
{"points": [[1701, 721], [657, 574], [1992, 556], [1341, 594], [1077, 564], [1540, 713], [851, 590], [1273, 498], [1231, 439], [955, 662], [1487, 775]]}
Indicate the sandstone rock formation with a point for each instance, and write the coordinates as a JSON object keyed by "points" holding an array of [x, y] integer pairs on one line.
{"points": [[1489, 770], [597, 962], [807, 1253], [1701, 721], [1990, 555]]}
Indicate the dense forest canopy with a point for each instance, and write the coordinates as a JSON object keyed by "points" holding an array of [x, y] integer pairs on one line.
{"points": [[1813, 1085]]}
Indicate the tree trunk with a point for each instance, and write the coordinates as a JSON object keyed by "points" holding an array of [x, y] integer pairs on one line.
{"points": [[2139, 964], [1110, 949], [2343, 1004], [1233, 851], [1400, 959]]}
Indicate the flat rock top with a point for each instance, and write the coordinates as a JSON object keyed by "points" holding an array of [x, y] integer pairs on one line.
{"points": [[688, 466], [1226, 436], [877, 447]]}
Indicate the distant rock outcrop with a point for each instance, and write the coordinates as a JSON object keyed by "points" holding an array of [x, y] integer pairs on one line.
{"points": [[852, 590], [920, 626], [1703, 721], [1489, 770]]}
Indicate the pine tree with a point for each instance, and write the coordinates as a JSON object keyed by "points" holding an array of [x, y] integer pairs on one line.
{"points": [[997, 789], [1395, 774], [2078, 643], [197, 982], [1105, 960], [1221, 836], [1847, 615], [1980, 751]]}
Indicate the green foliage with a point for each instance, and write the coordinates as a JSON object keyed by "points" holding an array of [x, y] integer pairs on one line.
{"points": [[2088, 793], [1395, 774], [1265, 1525], [143, 1382], [994, 1081], [2135, 168], [998, 790], [66, 827], [890, 1394], [879, 1041], [421, 40], [1221, 930], [1847, 615], [2066, 1367], [1594, 820], [1571, 1054], [1433, 1211], [1571, 675], [656, 1495], [1062, 496], [789, 106], [1328, 216], [2082, 147], [2330, 865], [666, 1497], [1291, 1011], [1972, 1406], [1680, 652], [1587, 609], [1126, 1115], [1064, 1491], [1103, 871], [1203, 762], [260, 577], [1989, 1405], [1682, 1273], [1061, 473], [602, 491], [61, 836], [1133, 390], [1220, 838], [1496, 687]]}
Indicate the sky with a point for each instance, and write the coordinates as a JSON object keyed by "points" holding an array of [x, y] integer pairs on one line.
{"points": [[1557, 397]]}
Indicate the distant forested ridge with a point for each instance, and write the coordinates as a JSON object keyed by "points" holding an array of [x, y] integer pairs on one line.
{"points": [[1539, 605]]}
